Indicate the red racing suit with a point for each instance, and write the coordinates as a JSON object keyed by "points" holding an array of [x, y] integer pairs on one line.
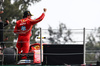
{"points": [[25, 26]]}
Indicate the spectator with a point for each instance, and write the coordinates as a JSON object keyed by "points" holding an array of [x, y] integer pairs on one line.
{"points": [[7, 21]]}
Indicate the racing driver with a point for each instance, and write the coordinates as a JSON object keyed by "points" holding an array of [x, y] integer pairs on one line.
{"points": [[23, 29]]}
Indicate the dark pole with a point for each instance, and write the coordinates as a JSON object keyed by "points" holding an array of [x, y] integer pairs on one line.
{"points": [[41, 45], [1, 34], [84, 45]]}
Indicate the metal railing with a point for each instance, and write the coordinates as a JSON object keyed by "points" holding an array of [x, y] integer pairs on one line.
{"points": [[80, 34]]}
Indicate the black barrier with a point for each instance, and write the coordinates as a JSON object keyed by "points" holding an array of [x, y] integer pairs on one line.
{"points": [[1, 31], [63, 54], [98, 63]]}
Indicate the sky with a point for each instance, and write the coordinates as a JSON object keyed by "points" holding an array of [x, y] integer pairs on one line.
{"points": [[75, 14]]}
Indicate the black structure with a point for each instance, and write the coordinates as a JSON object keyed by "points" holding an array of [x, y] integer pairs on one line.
{"points": [[1, 31], [63, 54], [98, 63]]}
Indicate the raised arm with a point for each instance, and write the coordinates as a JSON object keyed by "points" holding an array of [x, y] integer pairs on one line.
{"points": [[40, 18]]}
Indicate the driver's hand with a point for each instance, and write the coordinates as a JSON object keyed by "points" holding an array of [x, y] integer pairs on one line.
{"points": [[44, 9]]}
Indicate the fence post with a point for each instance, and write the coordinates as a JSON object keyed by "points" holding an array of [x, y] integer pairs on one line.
{"points": [[41, 45], [84, 45]]}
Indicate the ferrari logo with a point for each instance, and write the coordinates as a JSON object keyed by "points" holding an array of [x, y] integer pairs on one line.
{"points": [[23, 20]]}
